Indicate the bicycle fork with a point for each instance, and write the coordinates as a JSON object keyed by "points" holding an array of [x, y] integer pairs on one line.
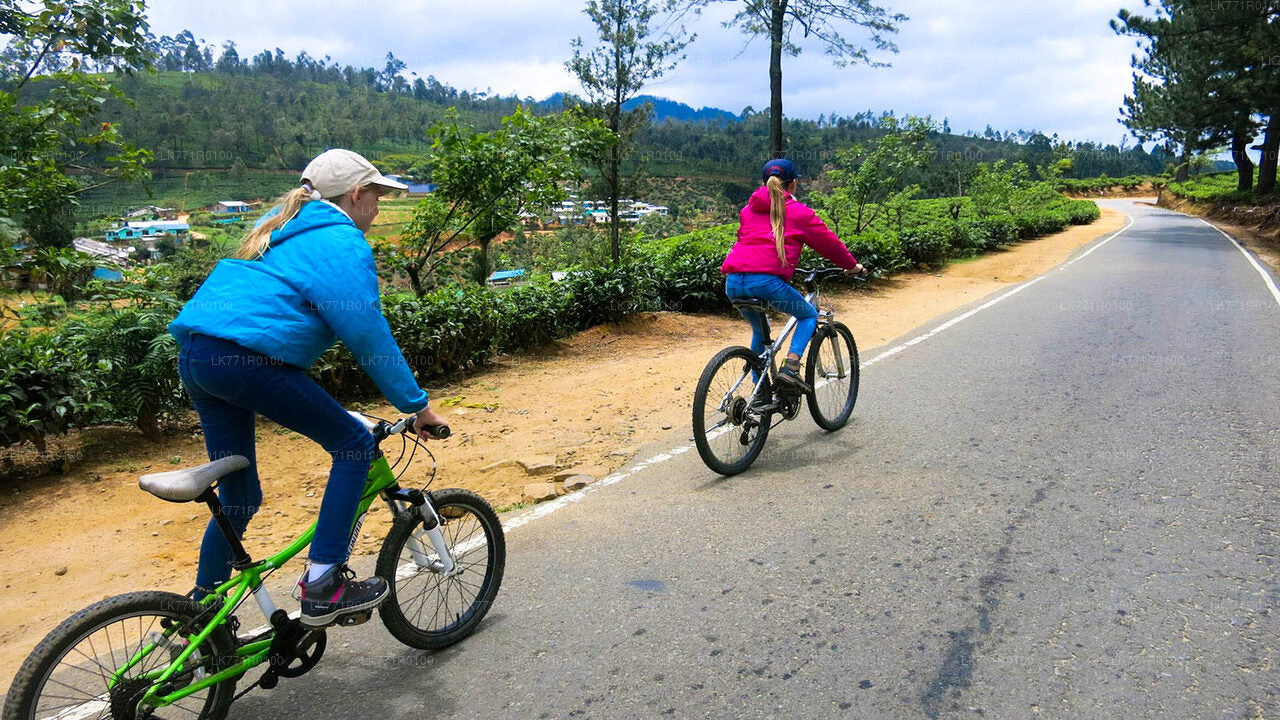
{"points": [[443, 561]]}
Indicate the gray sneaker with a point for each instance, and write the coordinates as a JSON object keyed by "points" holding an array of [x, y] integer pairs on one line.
{"points": [[789, 380], [336, 593]]}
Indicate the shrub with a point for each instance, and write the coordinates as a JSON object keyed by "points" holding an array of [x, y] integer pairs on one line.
{"points": [[136, 361], [601, 295], [1080, 212], [924, 244], [1039, 222], [531, 314], [44, 389], [1000, 230], [880, 252]]}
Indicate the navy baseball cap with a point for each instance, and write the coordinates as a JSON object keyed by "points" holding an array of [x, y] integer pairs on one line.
{"points": [[782, 167]]}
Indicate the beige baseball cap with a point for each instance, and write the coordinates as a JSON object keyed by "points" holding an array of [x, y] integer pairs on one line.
{"points": [[337, 171]]}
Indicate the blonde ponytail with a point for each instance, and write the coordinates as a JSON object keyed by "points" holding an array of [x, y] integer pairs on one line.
{"points": [[255, 244], [778, 215]]}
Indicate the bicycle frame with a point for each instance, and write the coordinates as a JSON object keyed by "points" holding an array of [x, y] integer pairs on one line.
{"points": [[771, 352], [249, 580]]}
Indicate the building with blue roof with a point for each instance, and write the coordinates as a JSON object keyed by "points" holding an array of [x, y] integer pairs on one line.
{"points": [[506, 277]]}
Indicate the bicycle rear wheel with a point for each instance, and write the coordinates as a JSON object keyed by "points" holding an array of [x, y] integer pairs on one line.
{"points": [[93, 664], [832, 372], [728, 432], [425, 608]]}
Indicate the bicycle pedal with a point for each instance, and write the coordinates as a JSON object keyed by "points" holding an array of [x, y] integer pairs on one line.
{"points": [[356, 618]]}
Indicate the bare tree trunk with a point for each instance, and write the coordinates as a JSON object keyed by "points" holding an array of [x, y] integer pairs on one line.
{"points": [[1270, 148], [1244, 164], [615, 122], [776, 27], [415, 280], [482, 261], [614, 191]]}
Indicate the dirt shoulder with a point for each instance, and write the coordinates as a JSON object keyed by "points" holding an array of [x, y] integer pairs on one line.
{"points": [[583, 405]]}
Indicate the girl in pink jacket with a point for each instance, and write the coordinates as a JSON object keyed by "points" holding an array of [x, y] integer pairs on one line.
{"points": [[774, 227]]}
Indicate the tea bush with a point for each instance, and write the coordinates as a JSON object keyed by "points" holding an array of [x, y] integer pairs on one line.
{"points": [[113, 360], [44, 390]]}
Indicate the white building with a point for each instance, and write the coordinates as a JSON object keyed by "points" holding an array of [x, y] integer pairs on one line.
{"points": [[574, 212]]}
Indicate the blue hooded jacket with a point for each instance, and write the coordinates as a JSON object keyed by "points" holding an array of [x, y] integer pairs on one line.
{"points": [[316, 284]]}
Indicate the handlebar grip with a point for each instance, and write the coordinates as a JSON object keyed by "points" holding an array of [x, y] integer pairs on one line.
{"points": [[439, 431]]}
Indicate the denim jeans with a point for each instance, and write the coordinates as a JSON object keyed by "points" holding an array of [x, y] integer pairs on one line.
{"points": [[780, 296], [229, 385]]}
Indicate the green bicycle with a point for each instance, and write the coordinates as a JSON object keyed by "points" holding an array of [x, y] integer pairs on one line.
{"points": [[157, 654]]}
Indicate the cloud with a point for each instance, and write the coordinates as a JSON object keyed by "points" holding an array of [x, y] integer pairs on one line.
{"points": [[1012, 64]]}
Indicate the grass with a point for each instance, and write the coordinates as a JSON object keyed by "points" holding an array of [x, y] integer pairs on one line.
{"points": [[1218, 187], [393, 215]]}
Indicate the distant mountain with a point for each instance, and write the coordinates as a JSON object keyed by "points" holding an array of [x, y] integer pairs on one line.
{"points": [[663, 110]]}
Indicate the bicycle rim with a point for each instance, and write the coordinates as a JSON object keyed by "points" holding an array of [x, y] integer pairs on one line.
{"points": [[95, 664], [832, 372], [727, 431], [428, 609]]}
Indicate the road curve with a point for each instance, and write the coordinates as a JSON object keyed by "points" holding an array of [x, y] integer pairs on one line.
{"points": [[1064, 506]]}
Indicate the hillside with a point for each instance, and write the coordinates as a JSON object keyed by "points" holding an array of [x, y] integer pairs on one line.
{"points": [[278, 119]]}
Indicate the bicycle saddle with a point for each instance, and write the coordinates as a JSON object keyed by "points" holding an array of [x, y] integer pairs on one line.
{"points": [[190, 483], [750, 303]]}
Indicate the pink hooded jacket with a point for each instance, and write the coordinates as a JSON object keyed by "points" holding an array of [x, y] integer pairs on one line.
{"points": [[755, 251]]}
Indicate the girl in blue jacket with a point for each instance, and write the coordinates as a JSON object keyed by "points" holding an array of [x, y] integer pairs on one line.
{"points": [[303, 278]]}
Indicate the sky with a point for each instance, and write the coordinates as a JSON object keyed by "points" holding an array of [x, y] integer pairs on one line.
{"points": [[1048, 65]]}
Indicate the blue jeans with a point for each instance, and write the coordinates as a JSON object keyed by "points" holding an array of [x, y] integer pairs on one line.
{"points": [[780, 296], [229, 384]]}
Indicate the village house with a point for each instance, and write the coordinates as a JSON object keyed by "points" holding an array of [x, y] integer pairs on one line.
{"points": [[502, 278], [153, 229], [151, 212], [574, 212], [231, 206]]}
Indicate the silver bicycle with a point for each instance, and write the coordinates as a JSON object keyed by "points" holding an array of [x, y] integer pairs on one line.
{"points": [[738, 401]]}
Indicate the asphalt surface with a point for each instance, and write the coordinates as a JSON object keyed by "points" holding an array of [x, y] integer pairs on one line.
{"points": [[1064, 506]]}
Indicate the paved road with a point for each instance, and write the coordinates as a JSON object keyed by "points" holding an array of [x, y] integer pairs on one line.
{"points": [[1064, 506]]}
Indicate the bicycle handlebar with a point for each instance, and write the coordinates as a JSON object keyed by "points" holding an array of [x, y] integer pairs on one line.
{"points": [[813, 275], [382, 429]]}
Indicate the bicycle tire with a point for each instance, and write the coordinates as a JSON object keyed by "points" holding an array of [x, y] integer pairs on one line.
{"points": [[831, 410], [453, 505], [36, 672], [729, 417]]}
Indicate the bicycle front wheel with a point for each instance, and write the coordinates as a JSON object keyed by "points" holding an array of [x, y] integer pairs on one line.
{"points": [[427, 608], [729, 429], [832, 372], [101, 661]]}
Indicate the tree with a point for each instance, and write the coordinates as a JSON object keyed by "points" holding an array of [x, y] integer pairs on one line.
{"points": [[823, 20], [1207, 72], [44, 135], [870, 178], [485, 181], [615, 71]]}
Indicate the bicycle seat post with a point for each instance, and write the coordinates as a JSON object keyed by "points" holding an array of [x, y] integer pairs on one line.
{"points": [[240, 557]]}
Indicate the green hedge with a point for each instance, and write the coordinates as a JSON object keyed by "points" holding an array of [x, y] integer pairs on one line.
{"points": [[113, 361], [1103, 182]]}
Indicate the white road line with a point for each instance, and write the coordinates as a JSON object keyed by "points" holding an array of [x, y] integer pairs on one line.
{"points": [[1266, 277], [1089, 252], [545, 509]]}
